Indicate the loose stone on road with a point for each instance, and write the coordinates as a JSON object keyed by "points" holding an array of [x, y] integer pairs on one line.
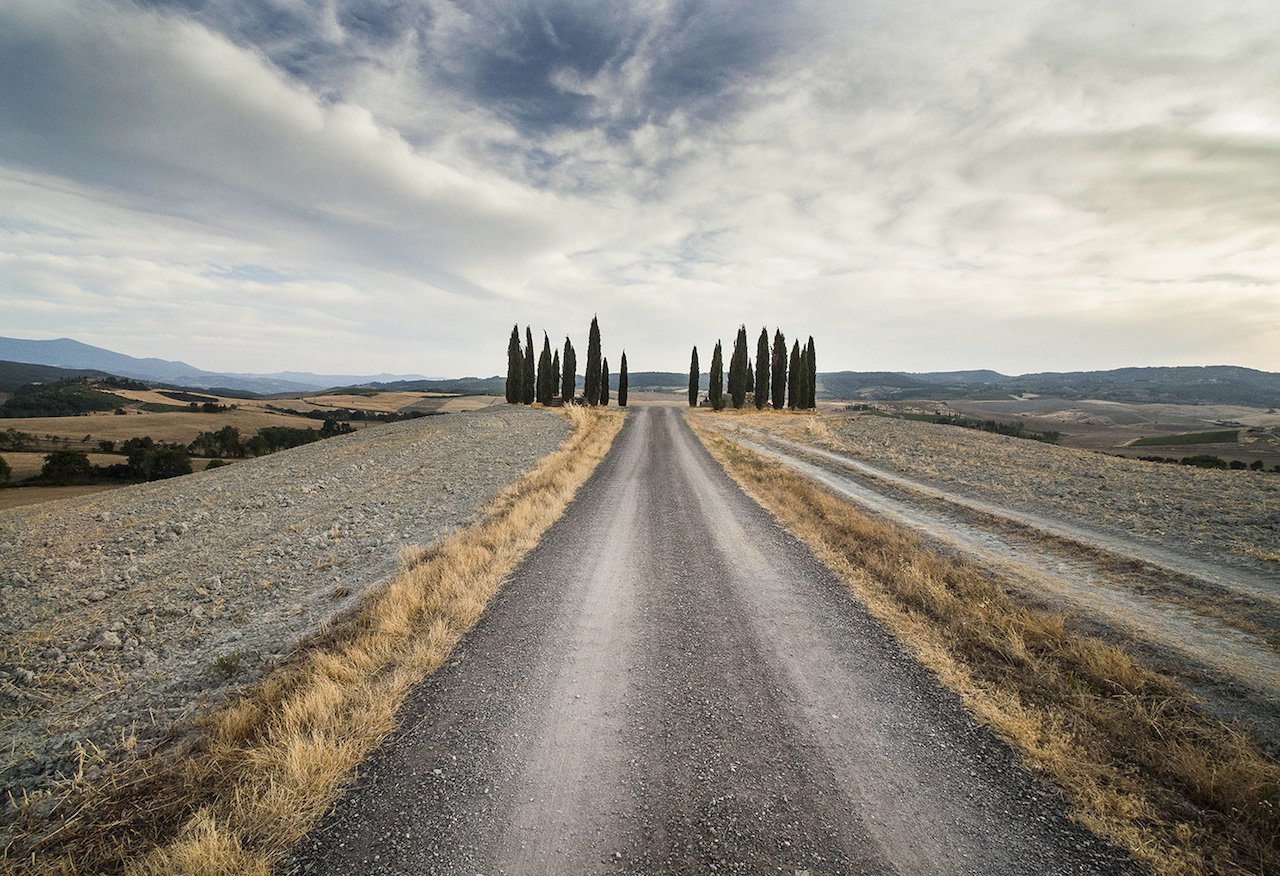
{"points": [[670, 683]]}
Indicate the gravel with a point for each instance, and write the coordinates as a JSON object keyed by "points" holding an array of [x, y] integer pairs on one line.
{"points": [[670, 683], [127, 611], [1200, 510]]}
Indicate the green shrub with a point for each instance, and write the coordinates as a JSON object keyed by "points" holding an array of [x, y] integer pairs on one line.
{"points": [[64, 467], [5, 472], [66, 398]]}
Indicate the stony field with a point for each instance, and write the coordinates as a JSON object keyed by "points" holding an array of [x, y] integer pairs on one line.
{"points": [[1232, 513], [125, 610]]}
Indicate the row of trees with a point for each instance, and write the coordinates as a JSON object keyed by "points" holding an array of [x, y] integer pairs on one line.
{"points": [[553, 378], [785, 381]]}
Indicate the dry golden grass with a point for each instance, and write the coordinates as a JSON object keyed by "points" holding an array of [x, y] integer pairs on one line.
{"points": [[20, 497], [177, 426], [261, 770], [462, 403], [386, 402], [1127, 747]]}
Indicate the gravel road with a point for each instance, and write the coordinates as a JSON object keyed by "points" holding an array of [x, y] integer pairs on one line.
{"points": [[125, 611], [670, 683], [1177, 605]]}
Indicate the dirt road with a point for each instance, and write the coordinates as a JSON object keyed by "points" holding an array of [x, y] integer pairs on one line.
{"points": [[1210, 623], [671, 684]]}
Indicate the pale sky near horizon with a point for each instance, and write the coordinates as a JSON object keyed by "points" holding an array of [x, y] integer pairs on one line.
{"points": [[366, 186]]}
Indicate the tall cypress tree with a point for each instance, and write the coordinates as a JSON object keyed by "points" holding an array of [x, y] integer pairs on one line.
{"points": [[544, 372], [515, 368], [738, 369], [802, 379], [622, 381], [530, 373], [569, 376], [694, 376], [593, 363], [779, 375], [811, 359], [715, 394], [762, 370], [555, 373], [604, 381], [793, 377]]}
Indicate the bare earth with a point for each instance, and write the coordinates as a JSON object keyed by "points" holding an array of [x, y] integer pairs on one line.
{"points": [[1181, 562], [125, 611], [671, 683]]}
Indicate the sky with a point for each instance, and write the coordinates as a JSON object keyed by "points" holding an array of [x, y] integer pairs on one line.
{"points": [[365, 186]]}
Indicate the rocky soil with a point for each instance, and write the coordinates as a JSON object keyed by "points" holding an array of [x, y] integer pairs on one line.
{"points": [[124, 612], [1208, 512]]}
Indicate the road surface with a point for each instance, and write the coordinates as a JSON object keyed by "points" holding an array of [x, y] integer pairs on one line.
{"points": [[672, 684]]}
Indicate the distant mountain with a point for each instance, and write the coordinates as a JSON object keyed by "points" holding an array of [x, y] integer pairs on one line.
{"points": [[67, 353], [1211, 384]]}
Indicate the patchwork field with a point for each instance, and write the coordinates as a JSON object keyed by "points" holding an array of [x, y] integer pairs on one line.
{"points": [[170, 417]]}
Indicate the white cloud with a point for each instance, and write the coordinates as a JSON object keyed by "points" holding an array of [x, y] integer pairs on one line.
{"points": [[1018, 185]]}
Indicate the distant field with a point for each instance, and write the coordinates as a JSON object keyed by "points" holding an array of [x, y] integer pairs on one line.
{"points": [[384, 402], [20, 496], [28, 464], [178, 426], [1225, 436]]}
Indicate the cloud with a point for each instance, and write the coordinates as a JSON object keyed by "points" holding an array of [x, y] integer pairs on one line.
{"points": [[1018, 185]]}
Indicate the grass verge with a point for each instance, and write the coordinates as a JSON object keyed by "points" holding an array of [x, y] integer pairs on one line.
{"points": [[262, 769], [1128, 748]]}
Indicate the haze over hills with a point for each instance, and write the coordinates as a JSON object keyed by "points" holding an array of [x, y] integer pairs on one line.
{"points": [[68, 353], [1212, 384]]}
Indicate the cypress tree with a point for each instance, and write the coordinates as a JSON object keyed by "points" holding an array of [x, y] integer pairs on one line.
{"points": [[715, 394], [762, 370], [604, 381], [793, 377], [555, 373], [738, 369], [622, 381], [515, 368], [544, 372], [569, 376], [811, 359], [802, 380], [694, 375], [593, 363], [530, 375], [750, 372], [779, 370]]}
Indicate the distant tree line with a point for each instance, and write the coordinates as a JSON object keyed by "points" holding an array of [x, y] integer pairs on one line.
{"points": [[64, 398], [553, 379], [150, 460], [774, 379], [1206, 460]]}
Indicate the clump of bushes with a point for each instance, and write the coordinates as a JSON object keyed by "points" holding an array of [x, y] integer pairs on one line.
{"points": [[65, 467], [65, 398]]}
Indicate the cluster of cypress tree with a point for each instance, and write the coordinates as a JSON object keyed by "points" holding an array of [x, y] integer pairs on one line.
{"points": [[790, 383], [554, 377]]}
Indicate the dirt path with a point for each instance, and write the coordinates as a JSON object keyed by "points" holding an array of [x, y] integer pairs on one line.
{"points": [[670, 683], [1164, 599]]}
